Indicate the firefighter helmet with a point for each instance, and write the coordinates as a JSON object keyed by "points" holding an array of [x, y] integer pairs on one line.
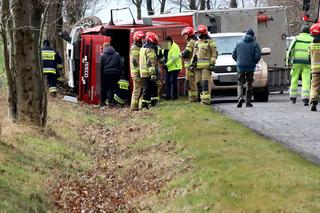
{"points": [[189, 31], [138, 36], [202, 29], [152, 37], [315, 29]]}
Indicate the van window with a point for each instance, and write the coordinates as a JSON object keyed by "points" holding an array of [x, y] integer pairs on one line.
{"points": [[225, 45]]}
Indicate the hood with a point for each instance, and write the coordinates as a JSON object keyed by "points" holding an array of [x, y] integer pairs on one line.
{"points": [[247, 38], [225, 60], [109, 50], [316, 39]]}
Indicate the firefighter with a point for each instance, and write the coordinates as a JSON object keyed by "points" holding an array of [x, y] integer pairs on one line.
{"points": [[298, 56], [203, 61], [52, 65], [122, 93], [315, 66], [189, 35], [138, 39], [148, 67]]}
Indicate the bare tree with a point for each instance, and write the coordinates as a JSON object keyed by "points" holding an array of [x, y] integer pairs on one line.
{"points": [[138, 4], [233, 4], [162, 5], [76, 9], [150, 8]]}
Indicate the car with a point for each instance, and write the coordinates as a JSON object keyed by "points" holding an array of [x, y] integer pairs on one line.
{"points": [[225, 75]]}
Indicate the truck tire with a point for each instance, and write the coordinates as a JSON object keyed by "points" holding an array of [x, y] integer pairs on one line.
{"points": [[262, 96], [88, 22]]}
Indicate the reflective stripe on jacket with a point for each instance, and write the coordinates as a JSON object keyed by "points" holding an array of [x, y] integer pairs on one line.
{"points": [[51, 60], [315, 57], [134, 60], [298, 50], [174, 60], [147, 62], [206, 52], [188, 52]]}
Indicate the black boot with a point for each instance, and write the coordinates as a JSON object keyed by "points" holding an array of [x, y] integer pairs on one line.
{"points": [[293, 100], [145, 105], [249, 105], [240, 102], [314, 106], [305, 102]]}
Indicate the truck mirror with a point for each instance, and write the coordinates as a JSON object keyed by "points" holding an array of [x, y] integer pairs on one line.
{"points": [[266, 51], [65, 35]]}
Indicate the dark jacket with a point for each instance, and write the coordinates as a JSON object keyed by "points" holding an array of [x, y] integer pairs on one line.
{"points": [[247, 53], [111, 62], [51, 60]]}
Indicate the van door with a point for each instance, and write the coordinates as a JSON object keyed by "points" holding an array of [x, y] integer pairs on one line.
{"points": [[90, 68]]}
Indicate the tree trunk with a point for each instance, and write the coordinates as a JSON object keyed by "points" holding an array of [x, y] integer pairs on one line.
{"points": [[31, 96], [208, 4], [162, 7], [149, 8], [233, 4], [138, 4], [202, 4], [192, 5]]}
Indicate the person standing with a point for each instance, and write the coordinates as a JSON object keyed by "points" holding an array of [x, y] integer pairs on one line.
{"points": [[247, 54], [148, 67], [315, 66], [52, 65], [111, 66], [189, 35], [138, 39], [204, 59], [299, 57], [172, 68]]}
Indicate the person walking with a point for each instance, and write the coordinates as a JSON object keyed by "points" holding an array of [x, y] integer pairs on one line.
{"points": [[315, 66], [111, 66], [203, 60], [172, 68], [138, 39], [52, 66], [189, 35], [298, 55], [247, 54], [148, 67]]}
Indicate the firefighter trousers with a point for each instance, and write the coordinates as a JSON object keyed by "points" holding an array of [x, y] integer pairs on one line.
{"points": [[136, 93], [154, 90], [192, 86], [304, 71], [243, 78], [146, 92], [315, 88], [203, 79]]}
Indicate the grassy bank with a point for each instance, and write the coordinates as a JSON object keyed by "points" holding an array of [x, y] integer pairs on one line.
{"points": [[177, 157]]}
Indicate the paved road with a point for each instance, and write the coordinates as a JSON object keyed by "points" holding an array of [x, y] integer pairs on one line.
{"points": [[294, 126]]}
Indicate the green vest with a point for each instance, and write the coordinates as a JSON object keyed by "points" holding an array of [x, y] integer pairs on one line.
{"points": [[174, 59], [300, 54]]}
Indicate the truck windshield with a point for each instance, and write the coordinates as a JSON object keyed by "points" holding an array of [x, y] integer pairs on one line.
{"points": [[226, 44]]}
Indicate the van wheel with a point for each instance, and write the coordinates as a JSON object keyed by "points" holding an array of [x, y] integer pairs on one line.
{"points": [[88, 22], [262, 96]]}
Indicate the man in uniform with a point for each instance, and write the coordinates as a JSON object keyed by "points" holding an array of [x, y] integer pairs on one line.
{"points": [[138, 39], [204, 59], [189, 35], [299, 57], [315, 66], [122, 93], [52, 65], [148, 67]]}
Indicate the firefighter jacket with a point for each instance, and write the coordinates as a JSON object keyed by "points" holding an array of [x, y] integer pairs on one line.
{"points": [[51, 60], [188, 51], [148, 60], [315, 57], [298, 50], [134, 60], [122, 93], [174, 60], [206, 52]]}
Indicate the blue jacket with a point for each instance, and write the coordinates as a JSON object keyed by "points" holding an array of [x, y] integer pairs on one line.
{"points": [[111, 62], [247, 53]]}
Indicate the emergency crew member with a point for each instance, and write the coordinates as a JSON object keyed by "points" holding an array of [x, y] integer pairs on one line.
{"points": [[122, 92], [203, 61], [315, 66], [298, 55], [148, 67], [173, 67], [189, 35], [52, 65], [138, 39]]}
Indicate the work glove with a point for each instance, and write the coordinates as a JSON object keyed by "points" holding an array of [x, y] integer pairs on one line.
{"points": [[153, 77], [211, 68]]}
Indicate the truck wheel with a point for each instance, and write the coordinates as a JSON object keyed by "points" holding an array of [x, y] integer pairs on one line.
{"points": [[262, 96], [88, 22]]}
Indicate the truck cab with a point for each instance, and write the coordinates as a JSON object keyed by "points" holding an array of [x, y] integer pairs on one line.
{"points": [[225, 75]]}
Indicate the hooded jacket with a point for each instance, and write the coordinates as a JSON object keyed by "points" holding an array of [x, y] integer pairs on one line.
{"points": [[111, 62], [247, 53], [174, 61]]}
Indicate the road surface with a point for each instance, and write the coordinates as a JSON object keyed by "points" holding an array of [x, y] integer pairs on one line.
{"points": [[292, 125]]}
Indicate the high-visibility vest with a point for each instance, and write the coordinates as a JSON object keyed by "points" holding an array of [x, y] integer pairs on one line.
{"points": [[300, 54], [315, 57], [134, 61], [174, 60]]}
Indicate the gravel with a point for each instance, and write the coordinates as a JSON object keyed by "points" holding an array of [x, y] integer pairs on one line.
{"points": [[292, 125]]}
